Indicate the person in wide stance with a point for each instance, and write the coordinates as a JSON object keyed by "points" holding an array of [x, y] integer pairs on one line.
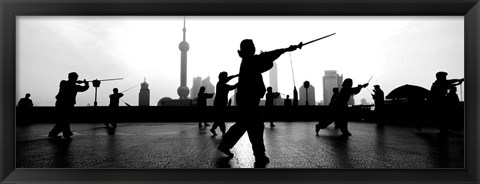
{"points": [[250, 90]]}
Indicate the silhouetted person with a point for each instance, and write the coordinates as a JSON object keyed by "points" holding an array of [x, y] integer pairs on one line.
{"points": [[341, 103], [249, 92], [439, 89], [114, 103], [66, 101], [270, 97], [25, 102], [306, 85], [438, 96], [321, 125], [202, 101], [379, 99], [287, 102], [221, 98], [452, 98]]}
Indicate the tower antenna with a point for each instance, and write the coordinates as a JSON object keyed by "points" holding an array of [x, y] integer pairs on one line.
{"points": [[291, 65]]}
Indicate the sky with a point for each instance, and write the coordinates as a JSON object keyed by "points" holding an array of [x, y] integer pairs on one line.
{"points": [[395, 50]]}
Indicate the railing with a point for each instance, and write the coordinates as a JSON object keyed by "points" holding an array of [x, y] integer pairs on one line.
{"points": [[232, 114]]}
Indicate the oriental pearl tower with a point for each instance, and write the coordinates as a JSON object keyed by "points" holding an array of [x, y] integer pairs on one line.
{"points": [[183, 90]]}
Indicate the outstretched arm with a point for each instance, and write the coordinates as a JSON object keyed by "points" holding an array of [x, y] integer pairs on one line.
{"points": [[357, 89], [83, 88], [455, 82], [264, 61], [273, 55], [231, 77]]}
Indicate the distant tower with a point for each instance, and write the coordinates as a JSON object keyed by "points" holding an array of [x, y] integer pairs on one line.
{"points": [[144, 95], [183, 90], [197, 83], [330, 80], [274, 78], [302, 95]]}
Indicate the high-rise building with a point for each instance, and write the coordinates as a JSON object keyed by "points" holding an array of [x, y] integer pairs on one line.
{"points": [[144, 95], [333, 80], [303, 92], [183, 90], [197, 83], [274, 77], [330, 80]]}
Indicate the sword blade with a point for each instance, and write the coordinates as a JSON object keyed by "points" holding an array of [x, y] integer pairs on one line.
{"points": [[317, 39], [370, 79], [107, 79]]}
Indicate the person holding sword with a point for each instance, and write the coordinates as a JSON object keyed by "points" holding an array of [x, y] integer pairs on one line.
{"points": [[66, 101], [250, 90]]}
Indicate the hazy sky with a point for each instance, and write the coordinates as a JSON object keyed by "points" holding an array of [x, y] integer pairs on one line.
{"points": [[395, 50]]}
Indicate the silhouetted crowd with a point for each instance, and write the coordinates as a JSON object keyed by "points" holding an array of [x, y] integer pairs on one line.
{"points": [[250, 89]]}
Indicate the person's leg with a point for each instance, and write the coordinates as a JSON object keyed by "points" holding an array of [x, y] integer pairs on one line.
{"points": [[55, 130], [344, 128], [214, 127], [222, 127], [233, 134], [59, 125], [255, 134], [231, 138], [67, 133]]}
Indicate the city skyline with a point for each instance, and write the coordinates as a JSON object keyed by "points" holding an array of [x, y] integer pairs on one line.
{"points": [[395, 50]]}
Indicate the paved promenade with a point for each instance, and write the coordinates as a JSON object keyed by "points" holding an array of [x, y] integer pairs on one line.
{"points": [[289, 145]]}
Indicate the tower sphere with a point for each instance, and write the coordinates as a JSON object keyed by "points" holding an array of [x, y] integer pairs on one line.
{"points": [[183, 46], [183, 91]]}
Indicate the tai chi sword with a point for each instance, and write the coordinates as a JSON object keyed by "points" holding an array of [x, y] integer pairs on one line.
{"points": [[303, 44]]}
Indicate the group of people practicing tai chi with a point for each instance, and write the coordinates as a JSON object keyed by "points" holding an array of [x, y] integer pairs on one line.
{"points": [[250, 89]]}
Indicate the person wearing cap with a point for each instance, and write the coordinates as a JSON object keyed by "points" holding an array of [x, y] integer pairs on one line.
{"points": [[439, 89], [249, 92], [438, 96], [66, 101]]}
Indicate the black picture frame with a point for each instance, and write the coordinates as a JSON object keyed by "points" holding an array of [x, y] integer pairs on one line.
{"points": [[9, 9]]}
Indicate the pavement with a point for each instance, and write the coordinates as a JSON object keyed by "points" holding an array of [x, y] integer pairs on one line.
{"points": [[288, 144]]}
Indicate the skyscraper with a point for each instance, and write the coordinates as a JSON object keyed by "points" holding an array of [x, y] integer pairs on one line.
{"points": [[274, 77], [144, 95], [333, 80], [197, 83], [183, 90], [330, 80]]}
